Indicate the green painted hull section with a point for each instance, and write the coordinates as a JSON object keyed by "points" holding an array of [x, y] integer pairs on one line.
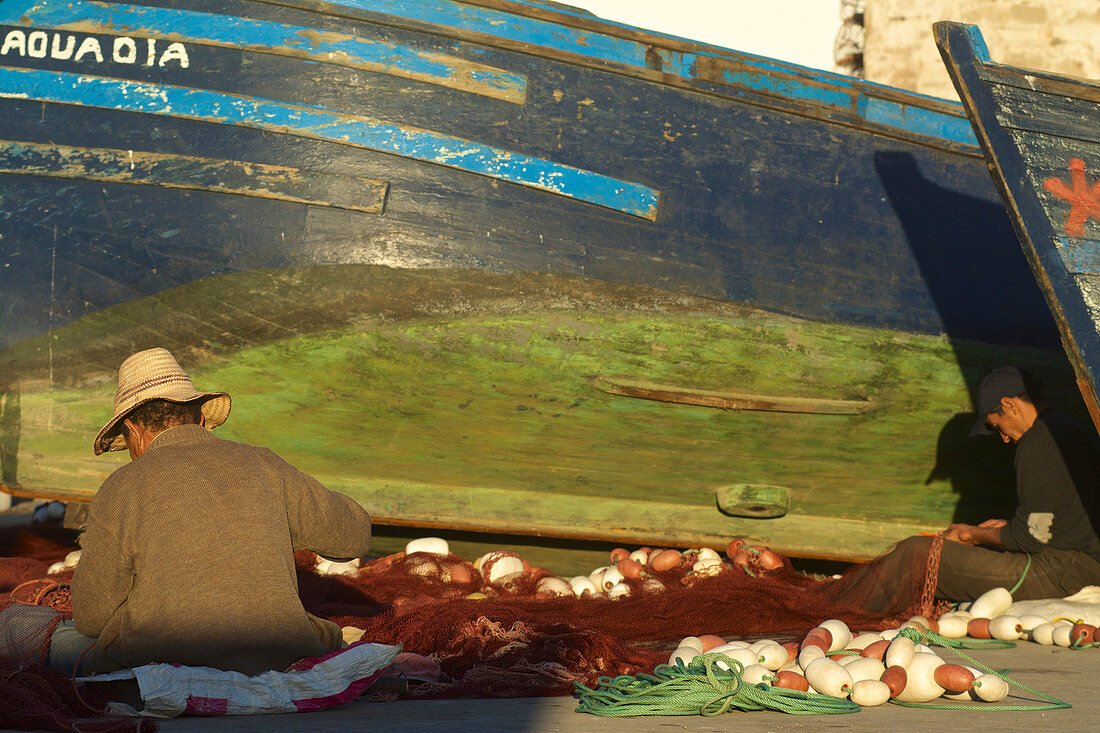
{"points": [[466, 400]]}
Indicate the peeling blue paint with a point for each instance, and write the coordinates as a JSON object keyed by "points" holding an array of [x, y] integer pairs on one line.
{"points": [[507, 25], [977, 44], [833, 96], [1079, 256], [759, 74], [915, 119], [325, 124], [265, 37]]}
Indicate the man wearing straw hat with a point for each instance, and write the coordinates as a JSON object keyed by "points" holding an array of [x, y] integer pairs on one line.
{"points": [[188, 549]]}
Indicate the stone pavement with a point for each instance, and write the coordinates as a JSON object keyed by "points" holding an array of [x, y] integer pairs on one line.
{"points": [[1073, 676]]}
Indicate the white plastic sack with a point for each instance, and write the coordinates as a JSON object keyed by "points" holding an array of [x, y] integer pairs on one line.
{"points": [[314, 683], [1084, 604]]}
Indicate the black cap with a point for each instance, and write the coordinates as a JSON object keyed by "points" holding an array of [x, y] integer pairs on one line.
{"points": [[1004, 381]]}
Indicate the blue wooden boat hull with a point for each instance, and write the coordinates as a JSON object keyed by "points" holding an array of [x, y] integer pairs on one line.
{"points": [[154, 156], [722, 175]]}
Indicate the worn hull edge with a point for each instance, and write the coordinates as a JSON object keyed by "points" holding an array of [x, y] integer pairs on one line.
{"points": [[531, 514], [281, 39], [585, 40]]}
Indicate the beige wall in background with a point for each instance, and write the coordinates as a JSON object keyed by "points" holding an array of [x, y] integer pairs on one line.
{"points": [[1054, 35]]}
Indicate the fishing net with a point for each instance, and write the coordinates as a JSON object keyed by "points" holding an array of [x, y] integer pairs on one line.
{"points": [[45, 544], [39, 699], [511, 637], [32, 603]]}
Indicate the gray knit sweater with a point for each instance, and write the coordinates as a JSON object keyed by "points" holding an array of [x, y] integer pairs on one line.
{"points": [[188, 557]]}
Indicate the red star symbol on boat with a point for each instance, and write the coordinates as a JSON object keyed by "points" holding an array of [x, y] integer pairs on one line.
{"points": [[1084, 200]]}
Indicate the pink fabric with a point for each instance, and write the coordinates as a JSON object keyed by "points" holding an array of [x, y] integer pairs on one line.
{"points": [[310, 662], [417, 665], [206, 705], [354, 690]]}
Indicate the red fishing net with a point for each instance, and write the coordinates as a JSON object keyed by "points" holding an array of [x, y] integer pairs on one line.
{"points": [[508, 638], [47, 544], [513, 637], [38, 699], [32, 603]]}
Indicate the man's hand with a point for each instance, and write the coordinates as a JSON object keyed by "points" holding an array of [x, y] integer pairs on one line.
{"points": [[959, 533], [986, 533]]}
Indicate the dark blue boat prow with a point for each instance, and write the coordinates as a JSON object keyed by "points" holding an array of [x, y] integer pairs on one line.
{"points": [[1039, 133]]}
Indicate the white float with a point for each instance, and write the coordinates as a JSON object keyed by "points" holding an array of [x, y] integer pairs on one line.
{"points": [[430, 545], [920, 683], [869, 693], [755, 673], [840, 631], [952, 626], [865, 668], [990, 688], [582, 586], [692, 642], [992, 603], [828, 677], [554, 586], [900, 652], [1005, 628], [1043, 634], [685, 654]]}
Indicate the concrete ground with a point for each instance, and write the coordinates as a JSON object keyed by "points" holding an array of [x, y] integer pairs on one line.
{"points": [[1073, 676]]}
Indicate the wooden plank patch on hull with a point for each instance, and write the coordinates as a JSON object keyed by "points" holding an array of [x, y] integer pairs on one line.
{"points": [[202, 174], [730, 400], [755, 501]]}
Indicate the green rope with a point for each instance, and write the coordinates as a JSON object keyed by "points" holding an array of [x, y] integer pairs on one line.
{"points": [[933, 638], [968, 643], [702, 687], [1023, 575]]}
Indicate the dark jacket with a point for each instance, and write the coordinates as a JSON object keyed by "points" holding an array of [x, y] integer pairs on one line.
{"points": [[1057, 483]]}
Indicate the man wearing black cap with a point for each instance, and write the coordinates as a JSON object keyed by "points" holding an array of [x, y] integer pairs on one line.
{"points": [[1051, 540]]}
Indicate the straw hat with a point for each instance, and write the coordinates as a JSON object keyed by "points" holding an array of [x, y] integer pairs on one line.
{"points": [[154, 374]]}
